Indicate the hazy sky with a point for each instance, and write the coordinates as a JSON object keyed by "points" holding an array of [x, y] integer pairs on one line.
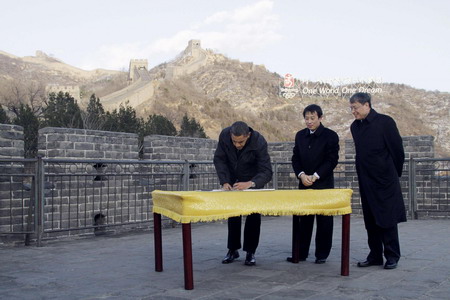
{"points": [[401, 41]]}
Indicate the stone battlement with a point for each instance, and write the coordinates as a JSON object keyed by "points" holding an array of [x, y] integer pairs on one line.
{"points": [[142, 84], [105, 164], [73, 90], [135, 65]]}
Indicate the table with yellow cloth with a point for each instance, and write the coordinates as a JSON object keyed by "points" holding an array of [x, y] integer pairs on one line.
{"points": [[203, 206]]}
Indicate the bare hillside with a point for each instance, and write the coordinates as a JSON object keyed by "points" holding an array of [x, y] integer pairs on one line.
{"points": [[227, 90], [50, 71], [222, 91]]}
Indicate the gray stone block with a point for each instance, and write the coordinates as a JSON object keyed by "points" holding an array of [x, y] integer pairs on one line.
{"points": [[130, 155], [77, 138], [95, 154], [83, 146], [55, 137], [114, 155], [6, 143], [9, 152], [96, 139], [75, 154]]}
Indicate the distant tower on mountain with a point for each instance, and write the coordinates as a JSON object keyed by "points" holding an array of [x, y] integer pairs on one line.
{"points": [[194, 48], [135, 66], [141, 84], [193, 58]]}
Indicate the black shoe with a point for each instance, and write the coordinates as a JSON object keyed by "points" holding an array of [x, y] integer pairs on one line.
{"points": [[368, 263], [289, 259], [321, 261], [389, 265], [250, 259], [230, 257]]}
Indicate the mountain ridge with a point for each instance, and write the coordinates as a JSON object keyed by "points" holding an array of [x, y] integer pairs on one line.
{"points": [[224, 90]]}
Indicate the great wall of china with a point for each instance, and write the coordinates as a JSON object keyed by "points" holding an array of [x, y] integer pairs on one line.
{"points": [[143, 85]]}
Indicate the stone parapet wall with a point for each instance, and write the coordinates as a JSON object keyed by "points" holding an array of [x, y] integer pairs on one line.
{"points": [[73, 90], [421, 146], [160, 147], [281, 152], [11, 141], [121, 191], [87, 144], [415, 147], [15, 179]]}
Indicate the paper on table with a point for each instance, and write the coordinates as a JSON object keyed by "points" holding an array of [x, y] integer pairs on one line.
{"points": [[248, 190]]}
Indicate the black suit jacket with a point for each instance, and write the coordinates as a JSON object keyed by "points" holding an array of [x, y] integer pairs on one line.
{"points": [[316, 153]]}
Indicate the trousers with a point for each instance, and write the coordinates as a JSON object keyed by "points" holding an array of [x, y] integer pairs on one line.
{"points": [[252, 231], [381, 241], [324, 235]]}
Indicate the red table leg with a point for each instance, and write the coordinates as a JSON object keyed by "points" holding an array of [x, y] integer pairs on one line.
{"points": [[345, 254], [187, 257], [158, 242], [295, 239]]}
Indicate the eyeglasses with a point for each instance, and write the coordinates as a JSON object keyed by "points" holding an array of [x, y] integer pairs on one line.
{"points": [[354, 108]]}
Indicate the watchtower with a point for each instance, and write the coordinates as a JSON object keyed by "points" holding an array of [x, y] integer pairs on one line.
{"points": [[135, 65], [194, 48]]}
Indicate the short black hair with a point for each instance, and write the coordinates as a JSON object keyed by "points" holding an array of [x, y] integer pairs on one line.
{"points": [[313, 108], [240, 128], [361, 98]]}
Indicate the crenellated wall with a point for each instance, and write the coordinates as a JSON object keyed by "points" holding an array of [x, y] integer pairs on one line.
{"points": [[135, 65], [160, 147], [11, 141], [112, 180], [421, 146], [87, 144], [14, 199]]}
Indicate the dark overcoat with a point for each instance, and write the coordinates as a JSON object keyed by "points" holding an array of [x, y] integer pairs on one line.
{"points": [[252, 164], [379, 164], [316, 153]]}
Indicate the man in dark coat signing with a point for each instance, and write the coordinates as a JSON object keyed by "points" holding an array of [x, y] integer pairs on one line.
{"points": [[242, 162], [379, 163]]}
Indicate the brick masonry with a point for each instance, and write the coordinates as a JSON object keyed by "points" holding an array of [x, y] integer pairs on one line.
{"points": [[160, 147], [11, 141], [12, 211], [87, 144], [79, 144]]}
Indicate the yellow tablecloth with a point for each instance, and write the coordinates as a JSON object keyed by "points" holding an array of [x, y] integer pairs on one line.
{"points": [[197, 206]]}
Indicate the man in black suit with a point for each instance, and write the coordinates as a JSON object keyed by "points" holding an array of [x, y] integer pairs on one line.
{"points": [[379, 163], [316, 154], [242, 162]]}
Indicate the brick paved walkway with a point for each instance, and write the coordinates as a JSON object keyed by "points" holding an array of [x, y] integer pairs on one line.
{"points": [[122, 267]]}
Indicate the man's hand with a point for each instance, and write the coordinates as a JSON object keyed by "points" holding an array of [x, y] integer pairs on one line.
{"points": [[242, 185], [227, 187], [307, 180]]}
